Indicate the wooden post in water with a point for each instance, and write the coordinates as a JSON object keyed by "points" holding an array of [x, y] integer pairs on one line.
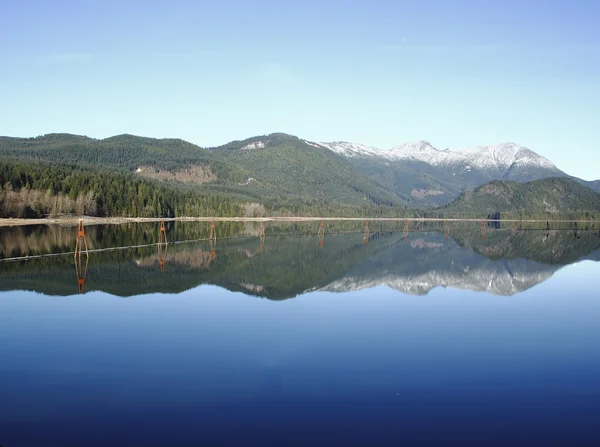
{"points": [[262, 229], [515, 229], [406, 231], [81, 273], [366, 236], [213, 233], [321, 234], [213, 246], [447, 229], [162, 233], [162, 246], [483, 228], [261, 236], [162, 255], [81, 241]]}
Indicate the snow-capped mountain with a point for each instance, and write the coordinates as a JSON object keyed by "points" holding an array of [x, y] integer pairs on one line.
{"points": [[352, 149], [499, 156], [423, 174]]}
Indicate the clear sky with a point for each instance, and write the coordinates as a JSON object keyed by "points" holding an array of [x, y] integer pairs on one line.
{"points": [[455, 73]]}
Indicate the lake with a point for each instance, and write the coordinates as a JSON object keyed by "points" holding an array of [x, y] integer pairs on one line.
{"points": [[430, 333]]}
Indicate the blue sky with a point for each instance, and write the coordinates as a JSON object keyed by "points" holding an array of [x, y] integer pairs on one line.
{"points": [[455, 73]]}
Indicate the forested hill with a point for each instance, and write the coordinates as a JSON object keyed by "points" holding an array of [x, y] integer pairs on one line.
{"points": [[279, 171], [551, 195], [290, 166], [37, 190], [124, 152]]}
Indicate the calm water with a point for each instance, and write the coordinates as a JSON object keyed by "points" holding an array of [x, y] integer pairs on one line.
{"points": [[445, 336]]}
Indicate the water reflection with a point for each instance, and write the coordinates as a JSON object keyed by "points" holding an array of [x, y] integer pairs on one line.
{"points": [[293, 258], [381, 366], [81, 272]]}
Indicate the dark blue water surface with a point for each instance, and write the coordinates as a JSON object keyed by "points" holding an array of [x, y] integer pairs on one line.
{"points": [[372, 366]]}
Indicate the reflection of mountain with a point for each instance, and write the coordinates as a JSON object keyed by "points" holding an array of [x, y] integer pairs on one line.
{"points": [[500, 264], [291, 265], [416, 269]]}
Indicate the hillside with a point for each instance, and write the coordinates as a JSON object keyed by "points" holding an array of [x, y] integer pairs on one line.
{"points": [[122, 152], [286, 166], [281, 171], [552, 195]]}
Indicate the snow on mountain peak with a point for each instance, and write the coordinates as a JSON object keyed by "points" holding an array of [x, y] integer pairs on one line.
{"points": [[413, 146], [504, 155], [352, 149], [419, 151], [494, 157]]}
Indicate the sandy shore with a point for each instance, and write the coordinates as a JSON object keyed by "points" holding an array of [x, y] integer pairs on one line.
{"points": [[73, 220]]}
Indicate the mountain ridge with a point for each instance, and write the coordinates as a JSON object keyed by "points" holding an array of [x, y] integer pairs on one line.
{"points": [[433, 177], [504, 152], [289, 173]]}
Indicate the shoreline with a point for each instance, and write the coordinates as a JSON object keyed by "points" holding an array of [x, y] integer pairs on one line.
{"points": [[87, 220]]}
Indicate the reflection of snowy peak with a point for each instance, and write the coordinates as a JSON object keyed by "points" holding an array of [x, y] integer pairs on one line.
{"points": [[417, 267], [497, 280], [496, 157]]}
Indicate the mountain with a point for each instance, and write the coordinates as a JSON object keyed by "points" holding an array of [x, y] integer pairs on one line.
{"points": [[551, 195], [277, 170], [284, 166], [424, 175], [281, 173], [448, 265]]}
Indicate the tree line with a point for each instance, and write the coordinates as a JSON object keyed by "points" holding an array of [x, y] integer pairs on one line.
{"points": [[40, 190], [30, 190]]}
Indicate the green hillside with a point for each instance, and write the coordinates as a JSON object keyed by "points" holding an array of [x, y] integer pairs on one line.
{"points": [[546, 196], [285, 166], [287, 174], [408, 180], [30, 189], [123, 152]]}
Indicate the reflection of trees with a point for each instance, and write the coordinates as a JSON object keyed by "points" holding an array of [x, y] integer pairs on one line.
{"points": [[196, 259], [40, 239], [541, 245], [284, 266], [29, 240]]}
